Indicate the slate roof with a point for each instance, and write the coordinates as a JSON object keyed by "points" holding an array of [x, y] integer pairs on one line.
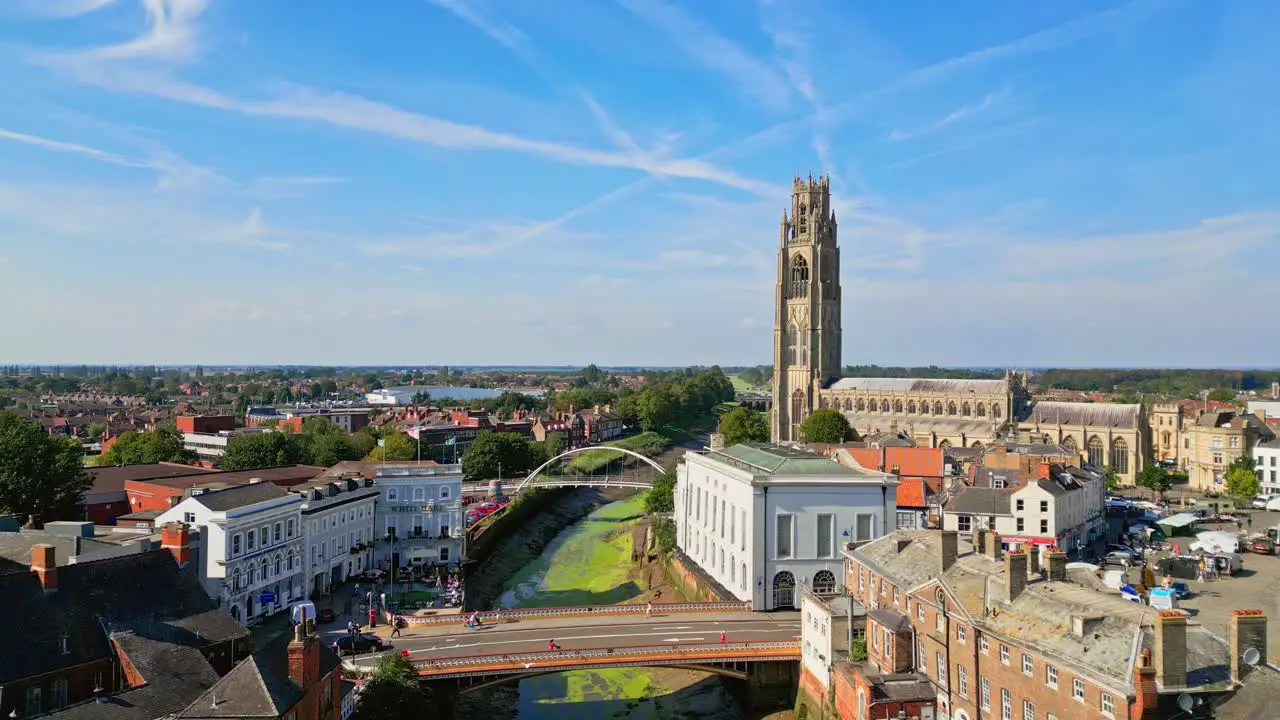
{"points": [[982, 387], [15, 548], [241, 496], [893, 620], [173, 675], [111, 479], [1114, 415], [778, 460], [144, 589], [980, 501], [259, 687]]}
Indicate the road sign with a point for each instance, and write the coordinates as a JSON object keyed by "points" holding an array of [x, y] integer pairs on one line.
{"points": [[267, 598]]}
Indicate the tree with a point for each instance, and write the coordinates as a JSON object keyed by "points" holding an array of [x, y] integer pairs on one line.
{"points": [[96, 430], [1110, 479], [825, 425], [1222, 395], [260, 450], [396, 445], [662, 496], [751, 376], [394, 693], [153, 446], [1242, 480], [657, 407], [592, 374], [493, 453], [42, 477], [1155, 478], [743, 425]]}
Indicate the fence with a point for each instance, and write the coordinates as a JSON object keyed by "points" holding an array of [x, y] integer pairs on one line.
{"points": [[754, 651], [582, 611]]}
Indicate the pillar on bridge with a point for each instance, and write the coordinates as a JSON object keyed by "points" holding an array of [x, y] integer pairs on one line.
{"points": [[495, 490], [772, 685]]}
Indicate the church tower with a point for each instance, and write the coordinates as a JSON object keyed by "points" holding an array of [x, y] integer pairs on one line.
{"points": [[806, 326]]}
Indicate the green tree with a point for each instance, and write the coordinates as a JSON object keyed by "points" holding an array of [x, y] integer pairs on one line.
{"points": [[97, 430], [629, 409], [657, 407], [42, 477], [554, 444], [743, 425], [1223, 395], [153, 446], [394, 692], [1110, 479], [592, 374], [825, 425], [1155, 478], [752, 376], [396, 445], [662, 496], [1242, 480], [493, 453], [261, 450], [664, 530]]}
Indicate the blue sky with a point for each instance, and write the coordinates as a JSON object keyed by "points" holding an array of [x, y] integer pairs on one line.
{"points": [[504, 181]]}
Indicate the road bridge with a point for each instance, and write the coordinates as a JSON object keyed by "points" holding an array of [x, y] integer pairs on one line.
{"points": [[760, 649]]}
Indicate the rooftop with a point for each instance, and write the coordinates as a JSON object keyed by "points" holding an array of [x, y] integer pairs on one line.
{"points": [[780, 460], [111, 478], [240, 496], [983, 387], [1116, 415], [259, 687]]}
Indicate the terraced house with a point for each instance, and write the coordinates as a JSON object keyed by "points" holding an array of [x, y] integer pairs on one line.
{"points": [[962, 630]]}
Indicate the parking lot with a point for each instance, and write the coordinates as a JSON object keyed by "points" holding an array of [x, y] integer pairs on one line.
{"points": [[1256, 587]]}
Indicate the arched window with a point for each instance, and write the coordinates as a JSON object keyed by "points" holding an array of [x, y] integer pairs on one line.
{"points": [[797, 406], [861, 405], [937, 407], [802, 218], [804, 347], [733, 569], [799, 277], [995, 411], [897, 406], [236, 580], [1069, 443], [262, 568], [965, 410], [944, 445], [289, 561], [1097, 452], [976, 445], [784, 590], [911, 407], [279, 565], [884, 406], [251, 575], [824, 582], [848, 404], [951, 408], [1120, 456], [822, 401], [982, 410], [744, 576], [793, 340]]}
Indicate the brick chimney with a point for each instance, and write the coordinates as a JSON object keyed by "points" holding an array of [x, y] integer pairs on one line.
{"points": [[980, 541], [1056, 564], [1015, 575], [176, 538], [44, 563], [992, 547], [304, 655], [1045, 471], [1246, 629], [1033, 563], [1146, 704], [949, 548], [1171, 649]]}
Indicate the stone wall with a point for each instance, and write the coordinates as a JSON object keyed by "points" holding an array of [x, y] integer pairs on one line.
{"points": [[692, 583], [812, 696]]}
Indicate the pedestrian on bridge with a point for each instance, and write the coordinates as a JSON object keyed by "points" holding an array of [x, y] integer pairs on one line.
{"points": [[723, 639], [648, 610], [551, 645]]}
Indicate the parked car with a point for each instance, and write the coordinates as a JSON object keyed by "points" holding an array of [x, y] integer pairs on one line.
{"points": [[360, 644], [1133, 553], [325, 615], [1118, 557], [1260, 501], [1262, 545], [485, 508]]}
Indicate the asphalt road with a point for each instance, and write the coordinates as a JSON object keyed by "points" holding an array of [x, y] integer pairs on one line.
{"points": [[596, 633]]}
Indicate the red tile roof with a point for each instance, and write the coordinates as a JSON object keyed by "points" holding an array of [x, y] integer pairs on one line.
{"points": [[911, 493], [911, 462]]}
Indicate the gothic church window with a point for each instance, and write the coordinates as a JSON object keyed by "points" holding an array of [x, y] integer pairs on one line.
{"points": [[951, 408], [937, 407], [1120, 456], [911, 407], [797, 406], [848, 404], [884, 406], [995, 411], [1096, 451], [1070, 444], [982, 410], [965, 410], [799, 286], [792, 342], [802, 218], [861, 405], [897, 406]]}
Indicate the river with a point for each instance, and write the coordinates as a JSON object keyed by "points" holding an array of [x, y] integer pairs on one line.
{"points": [[589, 563]]}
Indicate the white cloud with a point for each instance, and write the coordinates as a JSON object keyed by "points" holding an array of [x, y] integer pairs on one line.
{"points": [[64, 8], [289, 186], [754, 77], [960, 114], [171, 33], [67, 147], [505, 34], [175, 173]]}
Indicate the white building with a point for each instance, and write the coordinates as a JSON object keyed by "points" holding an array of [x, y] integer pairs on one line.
{"points": [[421, 507], [251, 559], [1064, 508], [212, 446], [1267, 408], [827, 630], [760, 519], [338, 524], [1266, 461]]}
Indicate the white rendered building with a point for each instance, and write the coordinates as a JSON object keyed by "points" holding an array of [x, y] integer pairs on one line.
{"points": [[761, 519], [1266, 462], [1062, 508], [251, 562], [421, 507], [338, 522]]}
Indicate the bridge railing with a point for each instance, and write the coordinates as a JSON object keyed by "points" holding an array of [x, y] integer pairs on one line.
{"points": [[491, 616], [710, 651]]}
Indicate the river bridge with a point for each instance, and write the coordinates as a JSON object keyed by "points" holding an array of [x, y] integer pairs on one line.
{"points": [[540, 477]]}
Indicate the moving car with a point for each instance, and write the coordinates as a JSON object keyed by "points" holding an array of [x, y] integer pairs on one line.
{"points": [[324, 615], [360, 644]]}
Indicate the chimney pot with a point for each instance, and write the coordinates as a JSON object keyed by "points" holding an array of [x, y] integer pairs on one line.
{"points": [[1171, 649], [1245, 629], [993, 547], [1015, 575], [949, 549], [44, 563], [1056, 560]]}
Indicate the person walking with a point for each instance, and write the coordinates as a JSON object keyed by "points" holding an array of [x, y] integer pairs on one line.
{"points": [[551, 645], [723, 639], [395, 625], [648, 611]]}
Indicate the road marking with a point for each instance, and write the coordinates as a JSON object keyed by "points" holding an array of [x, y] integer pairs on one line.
{"points": [[680, 639], [574, 638]]}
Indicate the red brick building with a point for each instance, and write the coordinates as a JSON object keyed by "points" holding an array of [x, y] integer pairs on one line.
{"points": [[995, 636], [107, 499], [205, 423], [162, 493]]}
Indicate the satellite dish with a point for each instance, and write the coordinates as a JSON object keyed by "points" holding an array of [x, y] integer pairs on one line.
{"points": [[1186, 702], [1251, 657]]}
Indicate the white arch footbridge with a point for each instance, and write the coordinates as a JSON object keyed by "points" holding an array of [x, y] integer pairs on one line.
{"points": [[589, 480]]}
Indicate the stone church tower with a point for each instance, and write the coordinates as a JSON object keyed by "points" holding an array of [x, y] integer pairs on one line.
{"points": [[806, 326]]}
